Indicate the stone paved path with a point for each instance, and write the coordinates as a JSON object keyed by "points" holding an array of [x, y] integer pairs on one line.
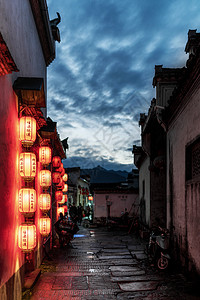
{"points": [[106, 265]]}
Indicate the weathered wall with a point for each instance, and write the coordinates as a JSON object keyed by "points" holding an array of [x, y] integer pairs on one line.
{"points": [[118, 203], [144, 176], [185, 210]]}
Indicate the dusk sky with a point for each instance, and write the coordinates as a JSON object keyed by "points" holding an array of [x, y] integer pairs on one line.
{"points": [[101, 79]]}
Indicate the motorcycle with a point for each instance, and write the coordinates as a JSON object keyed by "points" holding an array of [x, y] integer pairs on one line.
{"points": [[158, 247], [66, 229]]}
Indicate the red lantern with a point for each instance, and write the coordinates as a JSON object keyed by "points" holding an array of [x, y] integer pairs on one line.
{"points": [[62, 201], [65, 208], [27, 237], [60, 185], [27, 131], [45, 179], [45, 226], [56, 177], [90, 198], [58, 195], [27, 166], [56, 162], [27, 201], [44, 202], [45, 155], [65, 177], [65, 189], [60, 210]]}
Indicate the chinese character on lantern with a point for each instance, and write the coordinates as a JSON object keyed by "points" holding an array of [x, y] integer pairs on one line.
{"points": [[27, 131], [45, 226], [27, 201], [45, 155], [45, 202], [27, 237], [27, 166], [45, 179]]}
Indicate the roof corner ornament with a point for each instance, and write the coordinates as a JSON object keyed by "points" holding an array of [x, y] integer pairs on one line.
{"points": [[54, 28]]}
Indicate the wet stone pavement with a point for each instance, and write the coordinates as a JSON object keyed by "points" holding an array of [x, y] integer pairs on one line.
{"points": [[106, 265]]}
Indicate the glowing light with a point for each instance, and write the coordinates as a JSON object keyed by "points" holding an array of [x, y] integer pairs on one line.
{"points": [[45, 155], [58, 196], [27, 201], [27, 166], [45, 179], [65, 177], [90, 198], [65, 189], [56, 162], [27, 237], [60, 210], [56, 177], [27, 131], [45, 202], [45, 226]]}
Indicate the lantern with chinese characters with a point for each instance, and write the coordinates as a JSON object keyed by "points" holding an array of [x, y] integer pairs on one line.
{"points": [[27, 131], [45, 179], [56, 162], [45, 155], [90, 198], [27, 237], [27, 201], [58, 196], [45, 202], [27, 166], [45, 226], [56, 177], [65, 189], [60, 210], [65, 177]]}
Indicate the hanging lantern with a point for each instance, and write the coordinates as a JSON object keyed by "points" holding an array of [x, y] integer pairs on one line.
{"points": [[27, 237], [45, 155], [65, 208], [60, 210], [65, 177], [56, 162], [66, 197], [56, 177], [58, 196], [90, 198], [27, 201], [65, 189], [45, 226], [62, 201], [45, 202], [60, 185], [27, 166], [45, 179], [27, 131]]}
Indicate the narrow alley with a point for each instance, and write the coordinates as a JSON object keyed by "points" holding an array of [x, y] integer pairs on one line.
{"points": [[101, 264]]}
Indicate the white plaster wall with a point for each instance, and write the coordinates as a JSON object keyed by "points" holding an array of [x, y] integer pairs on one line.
{"points": [[118, 204], [144, 174], [19, 31], [183, 130]]}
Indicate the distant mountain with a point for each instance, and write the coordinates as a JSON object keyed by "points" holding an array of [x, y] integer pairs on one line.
{"points": [[101, 175]]}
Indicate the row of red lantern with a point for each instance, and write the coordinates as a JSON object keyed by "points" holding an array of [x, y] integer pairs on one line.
{"points": [[27, 197]]}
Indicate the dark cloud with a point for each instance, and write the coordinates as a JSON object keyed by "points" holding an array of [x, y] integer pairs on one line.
{"points": [[101, 79]]}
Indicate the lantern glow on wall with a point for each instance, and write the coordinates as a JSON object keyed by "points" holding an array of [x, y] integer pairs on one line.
{"points": [[45, 155], [56, 162], [45, 202], [27, 166], [45, 179], [27, 201], [27, 131], [27, 237], [65, 177], [45, 226]]}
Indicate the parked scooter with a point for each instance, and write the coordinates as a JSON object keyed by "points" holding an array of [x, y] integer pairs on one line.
{"points": [[158, 247], [65, 229]]}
